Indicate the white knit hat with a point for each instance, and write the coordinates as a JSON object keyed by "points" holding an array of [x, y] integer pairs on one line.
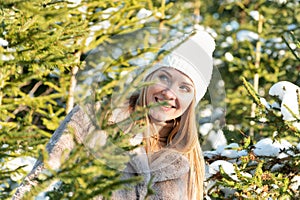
{"points": [[193, 58]]}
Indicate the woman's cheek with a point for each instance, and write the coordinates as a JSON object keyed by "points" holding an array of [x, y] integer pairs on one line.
{"points": [[158, 115]]}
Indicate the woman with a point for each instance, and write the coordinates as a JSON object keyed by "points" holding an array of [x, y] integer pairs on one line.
{"points": [[172, 155]]}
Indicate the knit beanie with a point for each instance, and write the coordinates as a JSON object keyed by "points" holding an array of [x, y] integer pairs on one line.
{"points": [[193, 57]]}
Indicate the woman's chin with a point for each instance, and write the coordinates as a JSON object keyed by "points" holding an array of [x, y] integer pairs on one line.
{"points": [[157, 116]]}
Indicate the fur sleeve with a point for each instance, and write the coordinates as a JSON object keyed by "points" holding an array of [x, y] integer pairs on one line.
{"points": [[75, 127]]}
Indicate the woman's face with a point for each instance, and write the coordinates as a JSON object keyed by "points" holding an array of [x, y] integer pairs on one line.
{"points": [[173, 89]]}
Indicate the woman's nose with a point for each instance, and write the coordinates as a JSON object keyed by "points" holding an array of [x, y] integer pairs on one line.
{"points": [[168, 94]]}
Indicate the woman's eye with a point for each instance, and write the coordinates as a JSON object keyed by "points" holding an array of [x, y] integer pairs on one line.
{"points": [[185, 88], [164, 78]]}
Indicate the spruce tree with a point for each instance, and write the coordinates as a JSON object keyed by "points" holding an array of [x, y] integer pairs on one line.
{"points": [[43, 49]]}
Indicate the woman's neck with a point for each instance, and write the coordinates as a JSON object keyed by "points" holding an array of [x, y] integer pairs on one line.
{"points": [[162, 128]]}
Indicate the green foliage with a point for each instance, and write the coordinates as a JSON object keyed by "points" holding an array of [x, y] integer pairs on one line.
{"points": [[43, 45], [260, 176], [260, 47], [44, 42], [257, 178], [273, 122], [84, 176]]}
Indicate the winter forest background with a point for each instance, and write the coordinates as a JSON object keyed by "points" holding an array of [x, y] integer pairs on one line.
{"points": [[248, 121]]}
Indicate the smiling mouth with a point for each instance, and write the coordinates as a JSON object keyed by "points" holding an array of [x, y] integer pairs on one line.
{"points": [[157, 100]]}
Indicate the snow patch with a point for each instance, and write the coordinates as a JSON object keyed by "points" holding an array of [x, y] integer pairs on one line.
{"points": [[254, 14], [3, 42], [205, 128], [229, 57], [266, 147], [142, 14], [227, 167], [298, 147], [217, 138], [287, 92], [295, 183], [264, 102], [13, 164], [231, 151]]}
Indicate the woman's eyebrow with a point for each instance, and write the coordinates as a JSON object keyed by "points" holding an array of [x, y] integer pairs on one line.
{"points": [[169, 74], [189, 84], [166, 72]]}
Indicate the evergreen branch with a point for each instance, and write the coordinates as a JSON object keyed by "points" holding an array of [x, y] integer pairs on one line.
{"points": [[73, 83], [289, 46], [292, 112], [251, 91], [298, 99]]}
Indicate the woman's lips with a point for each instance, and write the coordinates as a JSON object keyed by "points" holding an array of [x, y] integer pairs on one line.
{"points": [[165, 107]]}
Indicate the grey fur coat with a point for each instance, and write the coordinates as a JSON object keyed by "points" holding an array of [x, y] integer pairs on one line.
{"points": [[169, 170]]}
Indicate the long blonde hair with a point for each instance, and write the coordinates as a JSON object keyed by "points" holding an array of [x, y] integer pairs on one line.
{"points": [[184, 139]]}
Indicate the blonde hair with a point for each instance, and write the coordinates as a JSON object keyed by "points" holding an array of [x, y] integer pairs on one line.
{"points": [[183, 138]]}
